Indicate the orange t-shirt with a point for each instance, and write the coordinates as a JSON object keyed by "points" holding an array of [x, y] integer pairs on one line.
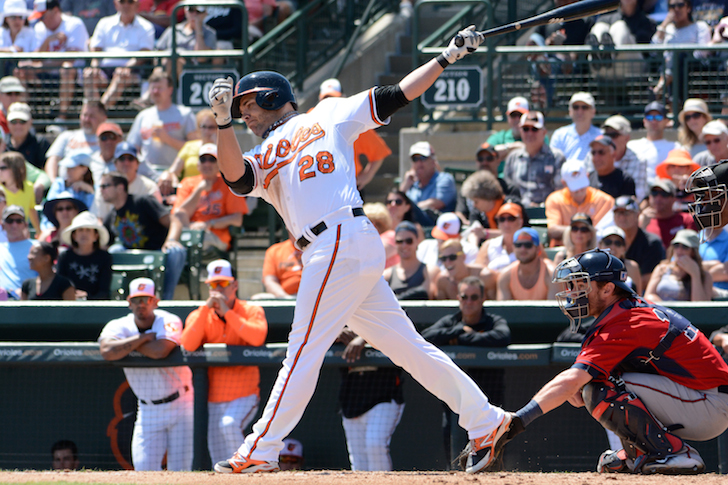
{"points": [[561, 207], [244, 324], [219, 202], [283, 261], [371, 145], [539, 291]]}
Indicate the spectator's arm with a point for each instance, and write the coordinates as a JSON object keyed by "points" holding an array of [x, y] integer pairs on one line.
{"points": [[234, 219], [499, 336], [717, 270], [69, 293], [252, 328], [272, 285], [504, 285], [193, 335]]}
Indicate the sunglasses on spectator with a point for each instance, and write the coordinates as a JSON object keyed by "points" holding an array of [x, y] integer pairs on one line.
{"points": [[692, 116], [418, 158], [395, 202], [63, 208], [140, 300], [472, 297], [654, 117], [14, 220], [529, 128], [711, 141], [613, 242], [208, 159], [525, 244], [515, 114], [108, 137], [583, 229], [580, 106], [13, 94], [659, 193], [486, 158], [126, 158], [18, 122], [675, 5], [219, 284], [598, 152], [450, 257], [407, 240], [104, 186], [502, 219]]}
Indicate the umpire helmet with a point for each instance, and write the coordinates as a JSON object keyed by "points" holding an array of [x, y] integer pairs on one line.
{"points": [[273, 91], [708, 185], [577, 272]]}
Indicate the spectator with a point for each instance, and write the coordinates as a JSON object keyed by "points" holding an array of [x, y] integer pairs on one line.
{"points": [[677, 167], [3, 236], [447, 228], [18, 190], [14, 264], [77, 180], [409, 279], [233, 392], [124, 32], [57, 32], [47, 285], [660, 218], [497, 253], [693, 117], [432, 191], [618, 128], [612, 180], [533, 169], [64, 454], [11, 91], [643, 247], [487, 159], [379, 215], [93, 114], [452, 259], [15, 33], [164, 422], [191, 35], [159, 13], [282, 268], [653, 148], [141, 222], [205, 203], [399, 206], [614, 240], [291, 456], [481, 198], [127, 163], [505, 141], [89, 11], [529, 278], [260, 10], [628, 25], [715, 138], [23, 139], [579, 237], [159, 132], [109, 135], [681, 277], [86, 263], [59, 212], [227, 23], [573, 140], [577, 196]]}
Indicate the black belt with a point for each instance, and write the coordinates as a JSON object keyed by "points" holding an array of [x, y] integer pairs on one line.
{"points": [[321, 227], [723, 389], [170, 398]]}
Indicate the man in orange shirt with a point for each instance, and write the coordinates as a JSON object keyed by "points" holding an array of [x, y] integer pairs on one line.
{"points": [[204, 202], [233, 392], [281, 271], [529, 277]]}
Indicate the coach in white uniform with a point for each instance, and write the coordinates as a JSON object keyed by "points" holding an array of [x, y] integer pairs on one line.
{"points": [[305, 169], [164, 420]]}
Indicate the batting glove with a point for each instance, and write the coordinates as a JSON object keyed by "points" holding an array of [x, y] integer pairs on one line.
{"points": [[465, 42], [221, 99]]}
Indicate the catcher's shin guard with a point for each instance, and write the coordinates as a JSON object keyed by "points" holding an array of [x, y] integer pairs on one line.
{"points": [[626, 415]]}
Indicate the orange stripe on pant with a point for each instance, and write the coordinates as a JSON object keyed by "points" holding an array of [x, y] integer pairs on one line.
{"points": [[305, 340]]}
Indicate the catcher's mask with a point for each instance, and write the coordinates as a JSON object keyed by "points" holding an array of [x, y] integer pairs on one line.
{"points": [[272, 90], [710, 197], [577, 273]]}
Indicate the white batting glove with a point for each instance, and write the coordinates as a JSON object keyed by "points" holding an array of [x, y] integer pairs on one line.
{"points": [[465, 42], [221, 99]]}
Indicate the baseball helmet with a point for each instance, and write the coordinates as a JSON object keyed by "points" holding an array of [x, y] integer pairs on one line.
{"points": [[577, 273], [272, 90], [708, 185]]}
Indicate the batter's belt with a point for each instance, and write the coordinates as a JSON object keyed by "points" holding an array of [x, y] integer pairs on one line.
{"points": [[302, 241]]}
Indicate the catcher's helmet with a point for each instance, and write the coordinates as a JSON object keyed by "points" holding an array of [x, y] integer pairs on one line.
{"points": [[577, 272], [708, 185], [273, 91]]}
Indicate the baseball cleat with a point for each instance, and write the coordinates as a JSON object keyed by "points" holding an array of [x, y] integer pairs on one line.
{"points": [[614, 462], [687, 461], [485, 451], [240, 464]]}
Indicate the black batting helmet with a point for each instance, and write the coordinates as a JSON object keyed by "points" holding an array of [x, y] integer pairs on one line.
{"points": [[272, 90]]}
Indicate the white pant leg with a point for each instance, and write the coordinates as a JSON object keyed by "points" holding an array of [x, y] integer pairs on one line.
{"points": [[355, 430], [180, 431], [226, 425], [383, 324], [149, 439], [368, 437]]}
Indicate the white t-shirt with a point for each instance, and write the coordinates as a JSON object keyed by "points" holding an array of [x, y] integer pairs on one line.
{"points": [[111, 35], [25, 41], [73, 27], [179, 121], [652, 152], [152, 383]]}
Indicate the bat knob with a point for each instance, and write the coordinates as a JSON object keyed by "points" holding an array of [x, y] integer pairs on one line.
{"points": [[459, 41]]}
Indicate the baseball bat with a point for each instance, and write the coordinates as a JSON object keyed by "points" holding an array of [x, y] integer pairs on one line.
{"points": [[567, 13]]}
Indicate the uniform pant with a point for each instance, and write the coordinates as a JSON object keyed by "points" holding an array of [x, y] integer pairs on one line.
{"points": [[368, 437], [161, 428], [342, 284], [226, 425]]}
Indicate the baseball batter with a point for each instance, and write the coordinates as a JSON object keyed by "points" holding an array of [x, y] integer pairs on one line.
{"points": [[164, 421], [305, 169]]}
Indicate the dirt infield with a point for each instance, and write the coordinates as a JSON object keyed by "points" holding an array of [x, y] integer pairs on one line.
{"points": [[356, 478]]}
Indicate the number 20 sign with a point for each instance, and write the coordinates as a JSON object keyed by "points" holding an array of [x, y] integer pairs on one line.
{"points": [[194, 86], [457, 86]]}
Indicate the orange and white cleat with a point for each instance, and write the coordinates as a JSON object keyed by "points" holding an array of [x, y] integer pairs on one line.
{"points": [[239, 464], [484, 451]]}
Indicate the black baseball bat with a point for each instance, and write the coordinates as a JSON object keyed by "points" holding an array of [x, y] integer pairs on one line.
{"points": [[567, 13]]}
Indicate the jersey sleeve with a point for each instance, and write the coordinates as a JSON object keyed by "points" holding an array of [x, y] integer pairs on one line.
{"points": [[353, 115], [168, 327], [115, 330]]}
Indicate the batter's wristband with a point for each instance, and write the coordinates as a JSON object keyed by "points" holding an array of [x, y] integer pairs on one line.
{"points": [[222, 127], [442, 61]]}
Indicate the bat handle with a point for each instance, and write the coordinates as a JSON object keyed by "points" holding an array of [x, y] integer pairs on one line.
{"points": [[459, 41]]}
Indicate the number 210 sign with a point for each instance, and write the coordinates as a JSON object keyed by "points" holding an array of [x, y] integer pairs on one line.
{"points": [[457, 86], [194, 86]]}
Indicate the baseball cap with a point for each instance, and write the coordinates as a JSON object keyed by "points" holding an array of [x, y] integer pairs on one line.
{"points": [[604, 140], [532, 118], [663, 184], [76, 160], [687, 237], [125, 148], [292, 447], [527, 234], [405, 226], [11, 84], [141, 287], [330, 87], [519, 103], [40, 7], [573, 173], [421, 148], [19, 111], [693, 105], [715, 128], [511, 209], [583, 218], [219, 270], [13, 209], [619, 123], [208, 149], [656, 106], [627, 202], [679, 157], [108, 127], [487, 147], [447, 227], [614, 231], [582, 97]]}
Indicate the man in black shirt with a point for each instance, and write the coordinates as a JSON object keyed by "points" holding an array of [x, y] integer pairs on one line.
{"points": [[141, 222], [611, 179], [20, 139]]}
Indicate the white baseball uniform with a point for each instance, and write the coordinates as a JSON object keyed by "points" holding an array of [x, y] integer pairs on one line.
{"points": [[305, 169], [166, 400]]}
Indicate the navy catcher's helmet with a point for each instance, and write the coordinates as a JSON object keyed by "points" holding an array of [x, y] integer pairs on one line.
{"points": [[273, 91], [708, 185]]}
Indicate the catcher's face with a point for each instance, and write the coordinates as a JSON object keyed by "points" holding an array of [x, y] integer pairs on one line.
{"points": [[257, 118], [710, 200]]}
